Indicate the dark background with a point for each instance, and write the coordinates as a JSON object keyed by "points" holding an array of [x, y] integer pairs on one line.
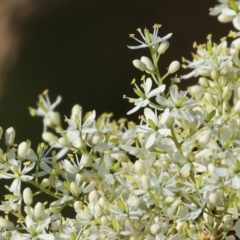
{"points": [[78, 49]]}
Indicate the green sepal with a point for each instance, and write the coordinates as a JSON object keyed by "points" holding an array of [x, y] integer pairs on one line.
{"points": [[209, 47], [152, 124], [115, 167], [210, 116], [67, 186], [233, 5], [139, 93]]}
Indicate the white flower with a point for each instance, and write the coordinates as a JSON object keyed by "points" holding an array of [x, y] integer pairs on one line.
{"points": [[45, 108], [79, 129], [205, 61], [143, 101], [179, 104], [149, 39]]}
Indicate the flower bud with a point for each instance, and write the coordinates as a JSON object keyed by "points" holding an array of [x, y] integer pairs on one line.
{"points": [[55, 225], [148, 63], [225, 18], [75, 110], [9, 136], [45, 182], [210, 98], [64, 142], [216, 199], [208, 219], [203, 140], [203, 82], [97, 137], [74, 188], [155, 229], [78, 205], [27, 196], [86, 161], [39, 210], [227, 223], [163, 47], [139, 65], [4, 223], [49, 137], [139, 167], [23, 149], [196, 91], [98, 210], [102, 201], [227, 93], [104, 220], [52, 119], [215, 75], [93, 196], [173, 67], [145, 182]]}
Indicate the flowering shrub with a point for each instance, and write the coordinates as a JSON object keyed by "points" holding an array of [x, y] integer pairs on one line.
{"points": [[173, 175]]}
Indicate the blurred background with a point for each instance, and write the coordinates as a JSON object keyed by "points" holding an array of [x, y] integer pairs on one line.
{"points": [[78, 49]]}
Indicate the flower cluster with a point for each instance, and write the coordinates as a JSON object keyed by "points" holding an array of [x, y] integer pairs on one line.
{"points": [[174, 175]]}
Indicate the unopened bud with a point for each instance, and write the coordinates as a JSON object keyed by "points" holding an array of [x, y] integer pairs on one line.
{"points": [[77, 205], [140, 167], [64, 142], [227, 223], [97, 137], [98, 210], [93, 196], [75, 110], [203, 82], [145, 182], [27, 196], [49, 137], [173, 67], [52, 119], [155, 229], [45, 182], [55, 225], [74, 188], [225, 18], [196, 91], [139, 65], [23, 149], [148, 63], [216, 199], [163, 47], [9, 136], [210, 98], [39, 210], [204, 140], [227, 93], [208, 219], [86, 161]]}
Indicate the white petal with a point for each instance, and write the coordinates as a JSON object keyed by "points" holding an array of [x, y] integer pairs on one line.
{"points": [[236, 182], [165, 116], [156, 91], [236, 23], [135, 108], [221, 172], [228, 12], [185, 169], [150, 141]]}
